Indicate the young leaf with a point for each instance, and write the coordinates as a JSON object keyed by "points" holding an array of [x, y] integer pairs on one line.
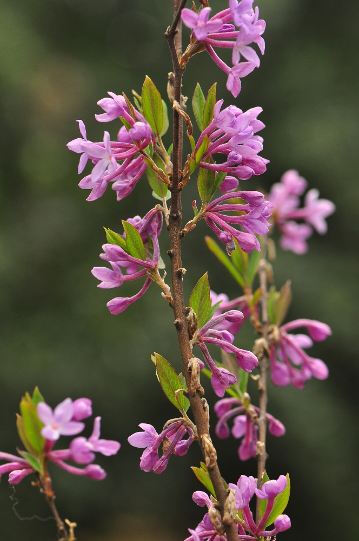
{"points": [[283, 302], [205, 183], [152, 106], [172, 383], [262, 504], [31, 424], [224, 259], [204, 478], [198, 103], [272, 305], [200, 300], [165, 119], [240, 259], [209, 105], [115, 238], [253, 264], [37, 396], [159, 187], [34, 462], [243, 381], [134, 243], [280, 503]]}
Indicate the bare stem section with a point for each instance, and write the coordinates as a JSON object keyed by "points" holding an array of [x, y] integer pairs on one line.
{"points": [[46, 488], [198, 404], [262, 382]]}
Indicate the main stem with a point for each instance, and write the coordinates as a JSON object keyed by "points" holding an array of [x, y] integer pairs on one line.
{"points": [[199, 407], [262, 382], [50, 497]]}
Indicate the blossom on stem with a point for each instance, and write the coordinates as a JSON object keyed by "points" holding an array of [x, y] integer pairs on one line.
{"points": [[125, 267], [289, 363], [63, 421], [246, 209], [238, 28], [285, 199], [220, 331], [119, 162], [245, 425], [175, 439], [248, 528], [232, 137]]}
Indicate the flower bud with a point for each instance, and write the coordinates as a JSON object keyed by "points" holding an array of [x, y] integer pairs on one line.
{"points": [[82, 409], [282, 523]]}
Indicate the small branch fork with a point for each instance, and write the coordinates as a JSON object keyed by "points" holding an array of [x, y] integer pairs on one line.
{"points": [[198, 404]]}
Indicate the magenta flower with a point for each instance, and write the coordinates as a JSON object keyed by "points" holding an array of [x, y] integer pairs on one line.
{"points": [[288, 359], [220, 331], [83, 450], [58, 422], [247, 210], [124, 267], [248, 528], [233, 139], [244, 425], [238, 28], [285, 198], [62, 422], [118, 162], [175, 439]]}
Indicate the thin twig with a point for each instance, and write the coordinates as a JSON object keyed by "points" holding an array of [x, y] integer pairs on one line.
{"points": [[198, 404], [47, 490]]}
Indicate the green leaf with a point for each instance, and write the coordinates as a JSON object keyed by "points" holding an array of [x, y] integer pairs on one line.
{"points": [[31, 425], [272, 299], [209, 105], [134, 243], [198, 103], [243, 380], [172, 384], [200, 300], [115, 238], [240, 259], [159, 187], [253, 264], [34, 462], [205, 183], [280, 503], [152, 106], [37, 396], [262, 504], [165, 119], [225, 260], [204, 478], [283, 302]]}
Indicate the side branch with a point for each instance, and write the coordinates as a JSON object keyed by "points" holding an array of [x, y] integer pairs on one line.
{"points": [[198, 404]]}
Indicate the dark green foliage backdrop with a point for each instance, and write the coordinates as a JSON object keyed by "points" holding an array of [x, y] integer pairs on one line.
{"points": [[57, 58]]}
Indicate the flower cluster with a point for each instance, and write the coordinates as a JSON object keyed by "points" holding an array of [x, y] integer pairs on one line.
{"points": [[175, 439], [290, 364], [248, 528], [246, 209], [125, 267], [245, 425], [232, 135], [285, 198], [237, 28], [119, 162], [65, 420], [220, 331]]}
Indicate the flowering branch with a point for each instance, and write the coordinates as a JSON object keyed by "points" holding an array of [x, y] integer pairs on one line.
{"points": [[198, 405]]}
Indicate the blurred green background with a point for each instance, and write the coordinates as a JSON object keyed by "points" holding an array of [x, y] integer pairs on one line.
{"points": [[57, 58]]}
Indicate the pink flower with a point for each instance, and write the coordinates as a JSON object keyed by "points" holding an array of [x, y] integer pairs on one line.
{"points": [[58, 422]]}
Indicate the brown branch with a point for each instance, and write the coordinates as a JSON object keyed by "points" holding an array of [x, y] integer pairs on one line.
{"points": [[199, 406], [47, 490], [262, 381]]}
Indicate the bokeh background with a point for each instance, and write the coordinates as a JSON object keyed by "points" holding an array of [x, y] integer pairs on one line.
{"points": [[57, 58]]}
